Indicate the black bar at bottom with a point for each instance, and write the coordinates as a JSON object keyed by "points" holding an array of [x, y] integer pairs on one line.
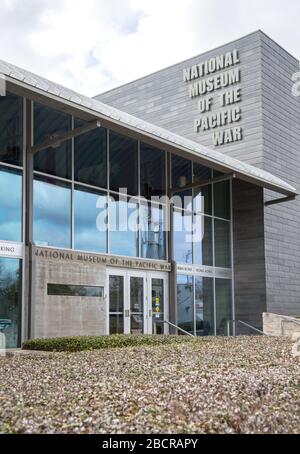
{"points": [[136, 443]]}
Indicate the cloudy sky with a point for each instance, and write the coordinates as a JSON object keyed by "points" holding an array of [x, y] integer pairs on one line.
{"points": [[94, 45]]}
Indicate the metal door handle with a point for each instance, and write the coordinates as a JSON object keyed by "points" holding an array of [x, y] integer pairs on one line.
{"points": [[127, 314]]}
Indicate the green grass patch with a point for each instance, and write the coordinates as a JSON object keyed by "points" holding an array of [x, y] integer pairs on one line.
{"points": [[80, 343]]}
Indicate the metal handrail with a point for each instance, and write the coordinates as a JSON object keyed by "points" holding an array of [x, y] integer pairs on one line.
{"points": [[288, 321], [177, 327], [245, 324], [228, 327]]}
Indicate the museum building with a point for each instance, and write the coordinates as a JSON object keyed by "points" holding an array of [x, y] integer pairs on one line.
{"points": [[167, 205]]}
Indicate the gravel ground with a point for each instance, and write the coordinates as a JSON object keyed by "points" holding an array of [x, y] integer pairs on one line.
{"points": [[217, 385]]}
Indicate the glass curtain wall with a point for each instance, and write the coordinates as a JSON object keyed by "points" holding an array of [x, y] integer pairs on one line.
{"points": [[10, 204], [204, 305], [202, 236], [84, 177], [11, 209], [93, 193], [202, 226], [11, 167]]}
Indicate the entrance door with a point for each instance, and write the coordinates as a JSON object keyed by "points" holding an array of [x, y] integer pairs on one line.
{"points": [[137, 302]]}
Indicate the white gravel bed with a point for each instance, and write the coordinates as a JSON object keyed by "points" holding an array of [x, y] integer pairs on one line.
{"points": [[215, 385]]}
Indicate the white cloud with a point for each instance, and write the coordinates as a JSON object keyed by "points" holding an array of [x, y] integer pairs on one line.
{"points": [[94, 45]]}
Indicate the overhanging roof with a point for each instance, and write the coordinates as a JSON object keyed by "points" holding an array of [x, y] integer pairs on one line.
{"points": [[39, 88]]}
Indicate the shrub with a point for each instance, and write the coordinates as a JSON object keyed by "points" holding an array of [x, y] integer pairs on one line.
{"points": [[80, 343]]}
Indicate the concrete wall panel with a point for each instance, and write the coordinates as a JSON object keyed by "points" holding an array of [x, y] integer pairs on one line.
{"points": [[55, 316]]}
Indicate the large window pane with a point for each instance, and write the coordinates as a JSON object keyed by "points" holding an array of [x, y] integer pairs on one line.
{"points": [[90, 156], [222, 200], [11, 129], [203, 244], [153, 235], [153, 182], [123, 228], [223, 305], [90, 220], [182, 237], [10, 300], [222, 244], [185, 303], [54, 161], [204, 306], [51, 214], [10, 205], [123, 153]]}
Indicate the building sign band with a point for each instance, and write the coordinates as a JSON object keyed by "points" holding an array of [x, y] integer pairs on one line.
{"points": [[123, 262], [205, 84], [93, 259], [204, 271]]}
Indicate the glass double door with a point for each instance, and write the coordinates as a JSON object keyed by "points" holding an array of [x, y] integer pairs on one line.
{"points": [[137, 302]]}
